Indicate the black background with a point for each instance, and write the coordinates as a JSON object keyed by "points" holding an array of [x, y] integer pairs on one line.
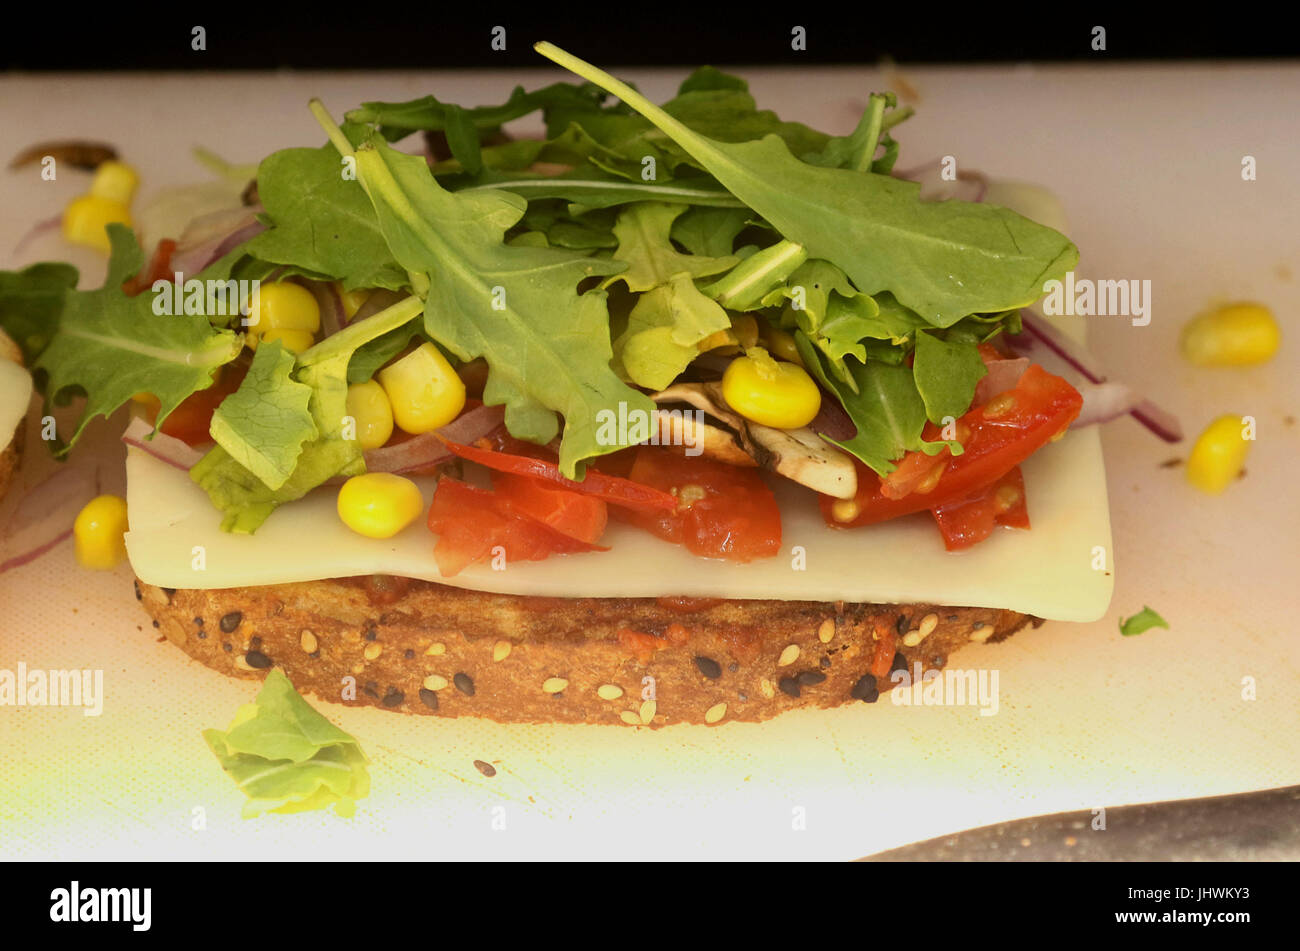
{"points": [[656, 32]]}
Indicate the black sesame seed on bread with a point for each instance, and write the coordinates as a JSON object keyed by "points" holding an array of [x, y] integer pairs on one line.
{"points": [[420, 647]]}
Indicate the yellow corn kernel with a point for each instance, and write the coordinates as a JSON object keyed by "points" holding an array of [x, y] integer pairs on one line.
{"points": [[295, 341], [424, 390], [369, 407], [352, 300], [1218, 456], [781, 344], [115, 181], [719, 338], [1230, 336], [283, 306], [379, 504], [85, 219], [99, 531], [772, 393], [745, 327]]}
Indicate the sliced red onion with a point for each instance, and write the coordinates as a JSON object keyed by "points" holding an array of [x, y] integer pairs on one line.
{"points": [[175, 452], [41, 518], [378, 300], [832, 421], [210, 236], [425, 451], [332, 319], [1103, 402], [36, 230], [968, 186], [1039, 330], [1002, 375]]}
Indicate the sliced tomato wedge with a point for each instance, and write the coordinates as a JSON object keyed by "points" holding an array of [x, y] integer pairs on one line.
{"points": [[612, 489], [968, 521], [470, 522], [720, 511], [159, 268], [996, 437], [581, 517]]}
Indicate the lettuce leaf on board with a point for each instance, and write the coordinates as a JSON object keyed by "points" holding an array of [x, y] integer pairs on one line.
{"points": [[111, 346], [286, 757], [547, 346], [944, 260], [322, 224]]}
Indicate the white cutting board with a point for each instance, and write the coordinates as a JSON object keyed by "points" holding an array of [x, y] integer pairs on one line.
{"points": [[1147, 161]]}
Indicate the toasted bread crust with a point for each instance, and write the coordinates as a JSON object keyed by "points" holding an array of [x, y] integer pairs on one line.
{"points": [[427, 648], [10, 458]]}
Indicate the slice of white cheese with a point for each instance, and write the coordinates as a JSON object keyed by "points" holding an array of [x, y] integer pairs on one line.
{"points": [[15, 394], [1059, 569]]}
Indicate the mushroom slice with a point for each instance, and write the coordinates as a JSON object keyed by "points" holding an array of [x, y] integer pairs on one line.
{"points": [[713, 442], [731, 445], [804, 457]]}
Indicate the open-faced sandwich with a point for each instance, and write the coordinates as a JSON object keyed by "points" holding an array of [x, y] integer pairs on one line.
{"points": [[674, 414]]}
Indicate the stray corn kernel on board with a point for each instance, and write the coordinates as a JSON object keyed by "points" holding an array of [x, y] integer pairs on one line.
{"points": [[1085, 717]]}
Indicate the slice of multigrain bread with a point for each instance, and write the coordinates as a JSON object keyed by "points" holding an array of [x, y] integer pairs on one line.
{"points": [[420, 647]]}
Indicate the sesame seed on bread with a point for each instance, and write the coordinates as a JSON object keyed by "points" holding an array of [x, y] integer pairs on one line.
{"points": [[426, 648]]}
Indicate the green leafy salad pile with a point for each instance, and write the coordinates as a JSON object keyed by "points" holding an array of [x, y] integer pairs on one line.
{"points": [[585, 267]]}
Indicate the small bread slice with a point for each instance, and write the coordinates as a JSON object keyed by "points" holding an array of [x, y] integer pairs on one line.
{"points": [[420, 647], [12, 453]]}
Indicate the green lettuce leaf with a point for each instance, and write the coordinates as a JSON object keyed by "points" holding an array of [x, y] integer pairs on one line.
{"points": [[944, 260], [663, 329], [946, 375], [288, 758], [885, 407], [1141, 622], [322, 224], [111, 346], [244, 499], [31, 303], [547, 346], [264, 423], [643, 231]]}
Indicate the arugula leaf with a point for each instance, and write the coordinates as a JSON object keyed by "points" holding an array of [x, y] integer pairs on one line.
{"points": [[111, 346], [243, 498], [662, 332], [369, 357], [946, 374], [288, 758], [746, 285], [321, 223], [942, 259], [264, 423], [707, 78], [886, 409], [710, 232], [594, 189], [31, 303], [397, 119], [643, 232], [1141, 622], [547, 347]]}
